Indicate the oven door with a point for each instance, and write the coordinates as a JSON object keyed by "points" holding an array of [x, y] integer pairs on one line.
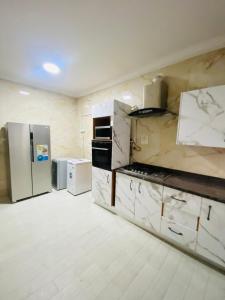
{"points": [[102, 154]]}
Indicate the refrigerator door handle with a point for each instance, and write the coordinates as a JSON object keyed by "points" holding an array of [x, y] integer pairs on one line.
{"points": [[32, 146]]}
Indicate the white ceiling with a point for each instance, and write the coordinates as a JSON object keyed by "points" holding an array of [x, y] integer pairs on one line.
{"points": [[101, 42]]}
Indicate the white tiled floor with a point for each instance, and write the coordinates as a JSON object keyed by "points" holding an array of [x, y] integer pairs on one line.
{"points": [[58, 247]]}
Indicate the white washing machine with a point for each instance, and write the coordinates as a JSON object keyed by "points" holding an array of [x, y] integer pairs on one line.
{"points": [[78, 176]]}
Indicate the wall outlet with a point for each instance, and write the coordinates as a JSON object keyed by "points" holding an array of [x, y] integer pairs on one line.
{"points": [[144, 139], [82, 131]]}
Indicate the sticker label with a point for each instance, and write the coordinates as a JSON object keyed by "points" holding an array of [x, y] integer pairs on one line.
{"points": [[42, 152]]}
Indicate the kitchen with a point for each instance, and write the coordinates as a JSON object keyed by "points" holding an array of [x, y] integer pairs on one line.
{"points": [[163, 197]]}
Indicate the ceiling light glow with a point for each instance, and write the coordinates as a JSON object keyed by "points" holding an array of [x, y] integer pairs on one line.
{"points": [[51, 68], [127, 96], [24, 93]]}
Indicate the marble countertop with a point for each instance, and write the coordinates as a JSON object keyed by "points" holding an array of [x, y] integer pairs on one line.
{"points": [[204, 186]]}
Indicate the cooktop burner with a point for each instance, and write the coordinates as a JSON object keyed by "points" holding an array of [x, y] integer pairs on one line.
{"points": [[147, 170]]}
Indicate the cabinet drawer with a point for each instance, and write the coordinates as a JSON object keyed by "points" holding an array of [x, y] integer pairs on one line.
{"points": [[178, 233], [182, 201], [180, 217]]}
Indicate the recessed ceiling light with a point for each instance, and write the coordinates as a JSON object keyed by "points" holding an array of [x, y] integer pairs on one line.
{"points": [[24, 93], [51, 68]]}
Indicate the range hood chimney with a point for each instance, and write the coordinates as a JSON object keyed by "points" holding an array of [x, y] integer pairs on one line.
{"points": [[154, 99]]}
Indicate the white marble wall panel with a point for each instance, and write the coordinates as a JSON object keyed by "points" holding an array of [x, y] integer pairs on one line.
{"points": [[211, 236], [202, 117], [121, 135], [148, 204], [102, 186], [125, 194]]}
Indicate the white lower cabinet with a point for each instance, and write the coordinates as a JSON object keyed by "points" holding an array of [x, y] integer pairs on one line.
{"points": [[139, 199], [125, 194], [102, 186], [179, 233], [193, 222], [148, 204], [211, 236], [181, 207]]}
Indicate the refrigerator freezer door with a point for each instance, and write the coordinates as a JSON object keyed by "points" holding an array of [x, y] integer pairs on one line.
{"points": [[41, 159], [20, 160]]}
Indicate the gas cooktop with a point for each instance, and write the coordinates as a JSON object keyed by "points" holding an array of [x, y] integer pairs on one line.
{"points": [[142, 170]]}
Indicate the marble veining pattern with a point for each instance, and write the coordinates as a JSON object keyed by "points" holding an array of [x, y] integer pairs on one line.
{"points": [[125, 195], [211, 237], [178, 233], [180, 207], [201, 119], [101, 186], [121, 135], [148, 204]]}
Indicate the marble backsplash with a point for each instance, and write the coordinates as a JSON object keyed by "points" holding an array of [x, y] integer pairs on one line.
{"points": [[40, 107], [198, 72]]}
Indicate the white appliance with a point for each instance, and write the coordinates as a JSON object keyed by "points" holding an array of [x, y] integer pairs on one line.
{"points": [[78, 176], [59, 172]]}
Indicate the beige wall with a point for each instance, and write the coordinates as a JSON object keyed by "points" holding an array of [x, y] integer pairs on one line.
{"points": [[198, 72], [40, 107]]}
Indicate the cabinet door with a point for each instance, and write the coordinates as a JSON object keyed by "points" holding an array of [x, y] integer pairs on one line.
{"points": [[211, 236], [180, 207], [125, 194], [148, 204], [104, 109], [102, 186], [201, 117]]}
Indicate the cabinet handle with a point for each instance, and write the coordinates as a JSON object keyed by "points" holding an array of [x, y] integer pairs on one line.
{"points": [[108, 178], [208, 217], [178, 233], [181, 200], [139, 187], [131, 185]]}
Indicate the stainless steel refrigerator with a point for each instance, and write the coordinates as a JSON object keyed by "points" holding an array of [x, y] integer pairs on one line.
{"points": [[30, 159]]}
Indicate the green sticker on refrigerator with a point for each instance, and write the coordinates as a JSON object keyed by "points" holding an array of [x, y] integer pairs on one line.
{"points": [[42, 152]]}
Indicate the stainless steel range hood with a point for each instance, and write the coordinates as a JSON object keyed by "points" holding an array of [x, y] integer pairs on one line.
{"points": [[154, 99]]}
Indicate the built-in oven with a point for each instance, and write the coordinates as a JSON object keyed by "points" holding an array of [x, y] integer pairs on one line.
{"points": [[102, 154], [103, 132]]}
